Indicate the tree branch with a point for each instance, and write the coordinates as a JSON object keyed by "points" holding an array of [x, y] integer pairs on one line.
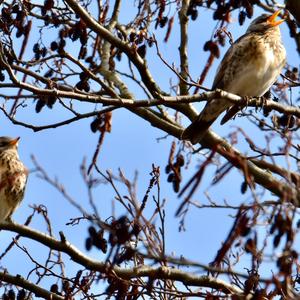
{"points": [[131, 53], [126, 274], [21, 282], [184, 67]]}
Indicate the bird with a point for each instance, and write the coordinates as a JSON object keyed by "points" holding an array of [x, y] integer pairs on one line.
{"points": [[249, 68], [13, 177]]}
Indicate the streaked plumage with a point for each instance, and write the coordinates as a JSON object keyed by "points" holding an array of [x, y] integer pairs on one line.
{"points": [[249, 68], [13, 177]]}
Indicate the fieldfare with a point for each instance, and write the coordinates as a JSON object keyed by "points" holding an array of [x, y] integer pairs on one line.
{"points": [[249, 68], [13, 177]]}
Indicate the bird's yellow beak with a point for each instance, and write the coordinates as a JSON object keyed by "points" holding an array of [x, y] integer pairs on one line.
{"points": [[14, 142], [272, 19]]}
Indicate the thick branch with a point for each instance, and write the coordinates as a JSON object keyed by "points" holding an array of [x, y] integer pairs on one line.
{"points": [[167, 101], [162, 100], [126, 274], [284, 173], [261, 176], [29, 286]]}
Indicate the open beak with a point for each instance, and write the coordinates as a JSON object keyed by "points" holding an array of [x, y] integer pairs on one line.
{"points": [[272, 19], [14, 142]]}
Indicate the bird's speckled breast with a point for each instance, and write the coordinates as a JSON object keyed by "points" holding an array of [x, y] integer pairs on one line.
{"points": [[261, 70], [13, 178]]}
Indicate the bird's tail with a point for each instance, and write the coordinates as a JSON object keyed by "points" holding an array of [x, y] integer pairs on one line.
{"points": [[196, 131]]}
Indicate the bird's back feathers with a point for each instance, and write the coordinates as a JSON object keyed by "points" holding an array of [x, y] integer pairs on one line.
{"points": [[249, 68]]}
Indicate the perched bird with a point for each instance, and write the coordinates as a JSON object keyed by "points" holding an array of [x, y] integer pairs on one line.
{"points": [[249, 68], [13, 177]]}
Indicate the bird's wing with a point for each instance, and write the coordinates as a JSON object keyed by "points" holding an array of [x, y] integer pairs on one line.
{"points": [[3, 177], [233, 50], [215, 107]]}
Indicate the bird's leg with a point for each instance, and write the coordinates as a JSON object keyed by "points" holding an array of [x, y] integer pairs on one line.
{"points": [[263, 102], [245, 102]]}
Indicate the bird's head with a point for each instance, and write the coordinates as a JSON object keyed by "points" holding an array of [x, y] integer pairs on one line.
{"points": [[265, 22], [8, 143]]}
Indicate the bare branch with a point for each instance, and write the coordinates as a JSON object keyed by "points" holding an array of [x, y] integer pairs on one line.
{"points": [[183, 46], [141, 271], [21, 282], [106, 34]]}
